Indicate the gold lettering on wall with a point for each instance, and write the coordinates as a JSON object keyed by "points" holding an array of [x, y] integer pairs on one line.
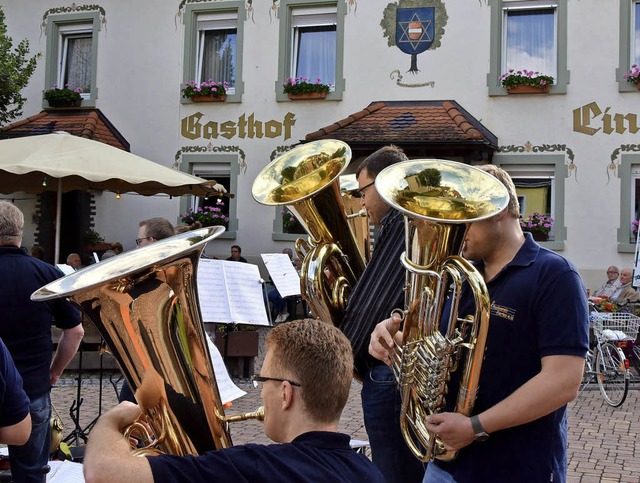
{"points": [[245, 127], [589, 115]]}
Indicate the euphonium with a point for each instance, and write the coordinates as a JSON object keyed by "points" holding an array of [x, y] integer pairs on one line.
{"points": [[145, 305], [305, 179], [439, 200]]}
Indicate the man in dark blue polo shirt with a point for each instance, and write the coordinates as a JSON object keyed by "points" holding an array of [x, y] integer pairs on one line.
{"points": [[305, 377], [534, 358], [25, 327], [15, 421]]}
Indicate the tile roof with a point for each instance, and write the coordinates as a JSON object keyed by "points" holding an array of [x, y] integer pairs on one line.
{"points": [[409, 122], [88, 123]]}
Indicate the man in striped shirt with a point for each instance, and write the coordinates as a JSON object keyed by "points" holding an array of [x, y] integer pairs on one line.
{"points": [[377, 293]]}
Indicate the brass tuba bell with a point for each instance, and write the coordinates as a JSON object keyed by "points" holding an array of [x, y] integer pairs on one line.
{"points": [[306, 180], [439, 200], [144, 303]]}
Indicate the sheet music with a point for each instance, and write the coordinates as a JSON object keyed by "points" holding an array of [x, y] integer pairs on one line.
{"points": [[64, 268], [212, 291], [228, 390], [65, 472], [283, 273], [231, 292]]}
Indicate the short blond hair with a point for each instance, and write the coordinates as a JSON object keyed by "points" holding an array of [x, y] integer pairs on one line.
{"points": [[505, 179], [319, 357], [11, 224]]}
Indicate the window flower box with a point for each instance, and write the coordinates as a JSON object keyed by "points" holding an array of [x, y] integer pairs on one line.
{"points": [[63, 96], [538, 225], [209, 91], [301, 89], [524, 89], [633, 76], [198, 98], [526, 82]]}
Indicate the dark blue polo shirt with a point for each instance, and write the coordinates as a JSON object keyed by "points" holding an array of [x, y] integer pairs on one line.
{"points": [[538, 309], [14, 404], [315, 456], [25, 326]]}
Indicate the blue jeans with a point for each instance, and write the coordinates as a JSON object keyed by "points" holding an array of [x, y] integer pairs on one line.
{"points": [[381, 407], [435, 474], [28, 460], [279, 304]]}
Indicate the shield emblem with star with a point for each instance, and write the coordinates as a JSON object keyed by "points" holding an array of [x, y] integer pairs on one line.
{"points": [[415, 29]]}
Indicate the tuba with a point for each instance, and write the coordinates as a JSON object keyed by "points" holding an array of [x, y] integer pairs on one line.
{"points": [[439, 200], [145, 305], [306, 180]]}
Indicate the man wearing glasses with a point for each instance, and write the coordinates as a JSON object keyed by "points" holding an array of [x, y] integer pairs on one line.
{"points": [[152, 230], [149, 231], [608, 288], [305, 379], [377, 293]]}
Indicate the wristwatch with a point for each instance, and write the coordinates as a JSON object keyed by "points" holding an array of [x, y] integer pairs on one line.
{"points": [[480, 434]]}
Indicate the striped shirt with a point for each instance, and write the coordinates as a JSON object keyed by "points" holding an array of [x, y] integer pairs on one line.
{"points": [[379, 290]]}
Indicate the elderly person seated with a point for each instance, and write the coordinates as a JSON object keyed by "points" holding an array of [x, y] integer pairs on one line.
{"points": [[625, 293], [608, 288]]}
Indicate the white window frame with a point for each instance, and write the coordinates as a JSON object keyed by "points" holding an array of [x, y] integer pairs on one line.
{"points": [[514, 5], [66, 32], [213, 21], [310, 17], [542, 166]]}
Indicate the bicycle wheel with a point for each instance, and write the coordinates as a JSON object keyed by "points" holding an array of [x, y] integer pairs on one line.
{"points": [[612, 375]]}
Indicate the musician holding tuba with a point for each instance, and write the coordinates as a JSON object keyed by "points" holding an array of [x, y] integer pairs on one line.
{"points": [[534, 357], [302, 406], [378, 291]]}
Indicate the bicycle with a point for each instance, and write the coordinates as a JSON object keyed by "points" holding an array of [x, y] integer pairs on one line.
{"points": [[606, 362]]}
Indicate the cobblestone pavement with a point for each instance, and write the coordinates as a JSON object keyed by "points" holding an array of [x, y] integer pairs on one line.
{"points": [[604, 443]]}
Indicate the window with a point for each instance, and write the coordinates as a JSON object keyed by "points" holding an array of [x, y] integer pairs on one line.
{"points": [[629, 42], [216, 49], [223, 168], [539, 181], [529, 35], [629, 174], [213, 45], [313, 54], [74, 57], [311, 36], [72, 53]]}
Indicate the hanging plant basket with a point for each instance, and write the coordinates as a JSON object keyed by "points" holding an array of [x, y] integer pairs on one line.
{"points": [[525, 89], [307, 96], [209, 98]]}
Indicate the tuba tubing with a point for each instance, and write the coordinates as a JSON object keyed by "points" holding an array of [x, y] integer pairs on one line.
{"points": [[306, 180], [439, 200], [144, 303]]}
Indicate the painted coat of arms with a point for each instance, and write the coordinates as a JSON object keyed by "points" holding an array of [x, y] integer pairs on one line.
{"points": [[414, 26]]}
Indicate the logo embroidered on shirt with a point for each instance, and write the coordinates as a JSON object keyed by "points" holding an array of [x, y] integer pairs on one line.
{"points": [[504, 312]]}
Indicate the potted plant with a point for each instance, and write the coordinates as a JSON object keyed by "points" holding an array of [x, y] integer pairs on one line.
{"points": [[301, 88], [63, 96], [634, 229], [526, 82], [290, 223], [539, 225], [208, 91], [94, 242], [238, 345], [207, 216], [633, 75]]}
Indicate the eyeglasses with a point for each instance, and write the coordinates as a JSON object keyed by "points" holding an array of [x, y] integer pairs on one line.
{"points": [[359, 193], [611, 271], [139, 240], [257, 379]]}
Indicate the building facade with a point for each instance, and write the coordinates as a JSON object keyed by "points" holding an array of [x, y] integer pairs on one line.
{"points": [[573, 151]]}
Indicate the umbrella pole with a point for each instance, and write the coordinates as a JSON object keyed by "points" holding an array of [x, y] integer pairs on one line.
{"points": [[56, 228]]}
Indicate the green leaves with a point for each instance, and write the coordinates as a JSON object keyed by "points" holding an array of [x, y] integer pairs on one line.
{"points": [[16, 68]]}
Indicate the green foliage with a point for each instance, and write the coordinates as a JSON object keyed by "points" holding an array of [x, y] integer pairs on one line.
{"points": [[15, 70], [92, 237], [525, 77], [62, 94], [301, 85]]}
